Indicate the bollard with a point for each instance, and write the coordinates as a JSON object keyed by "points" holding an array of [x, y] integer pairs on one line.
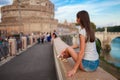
{"points": [[12, 48], [24, 42], [31, 40], [35, 38]]}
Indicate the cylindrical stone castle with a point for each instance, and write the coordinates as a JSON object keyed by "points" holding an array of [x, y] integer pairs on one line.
{"points": [[28, 16]]}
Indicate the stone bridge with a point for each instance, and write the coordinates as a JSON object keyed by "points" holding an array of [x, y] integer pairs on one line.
{"points": [[107, 37]]}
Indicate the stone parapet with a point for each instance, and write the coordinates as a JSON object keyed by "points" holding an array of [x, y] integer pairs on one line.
{"points": [[63, 67]]}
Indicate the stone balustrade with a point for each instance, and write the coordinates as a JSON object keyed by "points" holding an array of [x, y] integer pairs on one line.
{"points": [[15, 46], [64, 66]]}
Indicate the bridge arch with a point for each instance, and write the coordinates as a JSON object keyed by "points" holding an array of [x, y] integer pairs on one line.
{"points": [[112, 35], [115, 38], [107, 37]]}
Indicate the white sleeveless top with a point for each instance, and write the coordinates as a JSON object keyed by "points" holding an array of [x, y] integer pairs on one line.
{"points": [[90, 48]]}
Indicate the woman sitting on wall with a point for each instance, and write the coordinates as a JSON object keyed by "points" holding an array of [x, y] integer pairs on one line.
{"points": [[87, 59]]}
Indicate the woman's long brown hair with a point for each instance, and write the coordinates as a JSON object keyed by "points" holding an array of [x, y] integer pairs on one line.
{"points": [[85, 23]]}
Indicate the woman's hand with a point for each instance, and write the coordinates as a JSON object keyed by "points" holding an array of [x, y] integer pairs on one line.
{"points": [[71, 73], [64, 54]]}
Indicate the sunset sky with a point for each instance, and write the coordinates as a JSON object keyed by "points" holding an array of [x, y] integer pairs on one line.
{"points": [[102, 12]]}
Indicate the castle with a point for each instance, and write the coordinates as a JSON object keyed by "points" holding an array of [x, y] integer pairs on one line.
{"points": [[28, 16]]}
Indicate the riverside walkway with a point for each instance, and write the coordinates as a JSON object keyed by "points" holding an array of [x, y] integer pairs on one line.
{"points": [[36, 63]]}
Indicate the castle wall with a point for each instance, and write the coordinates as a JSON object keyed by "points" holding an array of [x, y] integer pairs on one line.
{"points": [[37, 16]]}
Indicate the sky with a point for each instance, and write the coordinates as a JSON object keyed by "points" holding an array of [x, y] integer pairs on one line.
{"points": [[102, 12]]}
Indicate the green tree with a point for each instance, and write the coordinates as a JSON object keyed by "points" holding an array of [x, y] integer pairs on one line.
{"points": [[93, 26], [110, 29], [76, 24], [98, 46]]}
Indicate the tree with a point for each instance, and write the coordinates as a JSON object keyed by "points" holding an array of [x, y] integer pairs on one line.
{"points": [[98, 45], [110, 29], [93, 26]]}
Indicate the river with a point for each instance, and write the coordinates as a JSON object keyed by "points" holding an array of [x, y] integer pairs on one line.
{"points": [[115, 52]]}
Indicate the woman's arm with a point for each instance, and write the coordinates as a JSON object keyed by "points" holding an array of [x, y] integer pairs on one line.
{"points": [[81, 53], [64, 54], [80, 56]]}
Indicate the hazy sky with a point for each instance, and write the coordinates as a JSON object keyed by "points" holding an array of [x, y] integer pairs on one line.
{"points": [[102, 12]]}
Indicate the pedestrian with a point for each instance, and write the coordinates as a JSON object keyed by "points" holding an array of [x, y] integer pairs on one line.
{"points": [[38, 40], [45, 37], [1, 49], [87, 59], [42, 38], [53, 37], [56, 33], [49, 37], [5, 47]]}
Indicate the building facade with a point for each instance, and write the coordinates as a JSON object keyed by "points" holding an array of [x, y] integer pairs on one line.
{"points": [[28, 16]]}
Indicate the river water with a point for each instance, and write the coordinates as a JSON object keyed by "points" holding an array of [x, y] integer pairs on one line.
{"points": [[115, 52]]}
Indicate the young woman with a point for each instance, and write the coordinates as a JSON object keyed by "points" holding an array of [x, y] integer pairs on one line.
{"points": [[87, 58]]}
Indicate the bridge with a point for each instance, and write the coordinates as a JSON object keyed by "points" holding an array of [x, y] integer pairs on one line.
{"points": [[107, 37], [35, 63], [40, 62]]}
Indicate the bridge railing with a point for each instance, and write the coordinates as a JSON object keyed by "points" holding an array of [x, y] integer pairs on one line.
{"points": [[14, 46], [115, 33], [63, 66]]}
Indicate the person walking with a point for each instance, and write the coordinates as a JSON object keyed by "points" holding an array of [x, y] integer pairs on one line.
{"points": [[42, 38]]}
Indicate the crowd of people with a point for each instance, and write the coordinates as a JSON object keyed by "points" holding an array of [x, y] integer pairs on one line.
{"points": [[46, 37], [6, 46]]}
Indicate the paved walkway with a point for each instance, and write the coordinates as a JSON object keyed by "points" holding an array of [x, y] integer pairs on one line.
{"points": [[36, 63]]}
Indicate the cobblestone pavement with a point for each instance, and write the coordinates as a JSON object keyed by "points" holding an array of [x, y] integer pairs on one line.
{"points": [[36, 63]]}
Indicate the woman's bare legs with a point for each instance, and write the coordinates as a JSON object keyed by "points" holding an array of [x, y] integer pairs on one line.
{"points": [[66, 53], [75, 46], [70, 51]]}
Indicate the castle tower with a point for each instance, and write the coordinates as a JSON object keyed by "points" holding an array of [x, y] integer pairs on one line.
{"points": [[29, 16]]}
